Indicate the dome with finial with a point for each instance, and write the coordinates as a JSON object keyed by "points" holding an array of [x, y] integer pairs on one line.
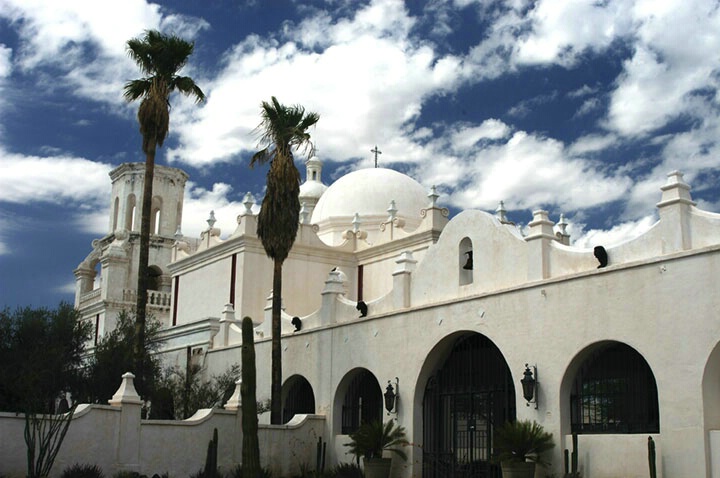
{"points": [[312, 188], [368, 193]]}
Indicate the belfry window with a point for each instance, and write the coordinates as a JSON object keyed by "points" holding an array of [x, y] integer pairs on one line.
{"points": [[465, 261], [614, 392], [130, 213]]}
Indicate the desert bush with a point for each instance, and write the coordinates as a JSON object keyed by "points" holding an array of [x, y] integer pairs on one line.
{"points": [[83, 470]]}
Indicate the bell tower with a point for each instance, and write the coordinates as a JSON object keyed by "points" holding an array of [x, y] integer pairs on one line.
{"points": [[106, 280]]}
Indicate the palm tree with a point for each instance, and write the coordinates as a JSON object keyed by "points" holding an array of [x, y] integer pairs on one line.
{"points": [[159, 57], [282, 128]]}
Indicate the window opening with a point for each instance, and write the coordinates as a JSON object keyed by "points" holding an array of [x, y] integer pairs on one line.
{"points": [[614, 392]]}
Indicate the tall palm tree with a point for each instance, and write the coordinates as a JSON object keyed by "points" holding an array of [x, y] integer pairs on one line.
{"points": [[159, 57], [282, 128]]}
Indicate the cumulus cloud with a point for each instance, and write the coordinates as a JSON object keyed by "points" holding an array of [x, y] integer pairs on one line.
{"points": [[199, 202], [26, 179], [368, 84], [616, 235], [370, 77]]}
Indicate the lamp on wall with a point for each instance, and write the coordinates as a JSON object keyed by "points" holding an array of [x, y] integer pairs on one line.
{"points": [[391, 396], [529, 385]]}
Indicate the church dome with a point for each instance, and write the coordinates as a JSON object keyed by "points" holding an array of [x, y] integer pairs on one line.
{"points": [[368, 192], [311, 190]]}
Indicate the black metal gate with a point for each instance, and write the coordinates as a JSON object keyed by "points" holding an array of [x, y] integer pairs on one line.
{"points": [[466, 398]]}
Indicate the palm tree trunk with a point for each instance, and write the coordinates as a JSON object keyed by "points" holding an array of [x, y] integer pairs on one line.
{"points": [[276, 361], [143, 266]]}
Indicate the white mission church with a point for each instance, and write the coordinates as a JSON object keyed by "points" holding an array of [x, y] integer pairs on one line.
{"points": [[622, 341]]}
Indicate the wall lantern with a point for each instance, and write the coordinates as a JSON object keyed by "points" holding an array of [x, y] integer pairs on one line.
{"points": [[529, 385], [391, 396]]}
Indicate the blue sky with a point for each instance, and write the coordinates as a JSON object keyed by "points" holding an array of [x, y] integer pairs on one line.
{"points": [[577, 107]]}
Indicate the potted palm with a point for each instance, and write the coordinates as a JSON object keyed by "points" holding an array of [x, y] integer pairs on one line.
{"points": [[369, 442], [519, 446]]}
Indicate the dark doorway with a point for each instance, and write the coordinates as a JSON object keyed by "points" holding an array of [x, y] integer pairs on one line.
{"points": [[465, 400], [299, 397]]}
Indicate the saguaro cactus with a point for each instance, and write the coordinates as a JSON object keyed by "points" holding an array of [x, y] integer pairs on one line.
{"points": [[651, 457], [250, 447], [211, 470]]}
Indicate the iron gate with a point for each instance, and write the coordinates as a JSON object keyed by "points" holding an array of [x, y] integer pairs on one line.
{"points": [[467, 397]]}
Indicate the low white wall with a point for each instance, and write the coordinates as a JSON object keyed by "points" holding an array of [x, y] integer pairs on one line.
{"points": [[616, 456], [101, 435]]}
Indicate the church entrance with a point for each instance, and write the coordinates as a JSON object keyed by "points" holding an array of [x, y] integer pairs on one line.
{"points": [[465, 400]]}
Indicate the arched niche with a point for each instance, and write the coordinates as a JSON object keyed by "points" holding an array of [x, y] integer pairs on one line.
{"points": [[465, 261]]}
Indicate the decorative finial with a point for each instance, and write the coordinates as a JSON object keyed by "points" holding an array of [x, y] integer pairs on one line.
{"points": [[376, 151], [500, 212], [433, 195], [248, 202], [211, 220], [356, 223], [562, 225], [303, 213], [392, 210]]}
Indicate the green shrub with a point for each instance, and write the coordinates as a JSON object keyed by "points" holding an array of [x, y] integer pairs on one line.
{"points": [[128, 474], [237, 472], [346, 470], [82, 471]]}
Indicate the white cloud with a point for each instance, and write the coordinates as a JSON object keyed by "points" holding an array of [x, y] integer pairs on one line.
{"points": [[676, 54], [64, 34], [526, 171], [562, 30], [368, 85], [199, 202], [25, 179], [617, 234], [5, 61], [592, 143]]}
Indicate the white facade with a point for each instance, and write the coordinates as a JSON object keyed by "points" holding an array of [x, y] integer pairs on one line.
{"points": [[622, 352]]}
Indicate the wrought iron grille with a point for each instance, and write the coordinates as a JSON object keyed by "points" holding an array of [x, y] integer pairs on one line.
{"points": [[300, 399], [464, 401], [363, 402], [615, 392]]}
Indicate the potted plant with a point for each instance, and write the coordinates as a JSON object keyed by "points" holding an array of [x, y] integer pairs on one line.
{"points": [[519, 446], [369, 442]]}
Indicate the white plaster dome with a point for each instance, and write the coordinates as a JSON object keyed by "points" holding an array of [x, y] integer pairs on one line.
{"points": [[368, 192], [312, 190]]}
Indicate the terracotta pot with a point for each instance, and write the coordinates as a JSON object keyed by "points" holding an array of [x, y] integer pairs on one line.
{"points": [[377, 467], [518, 469]]}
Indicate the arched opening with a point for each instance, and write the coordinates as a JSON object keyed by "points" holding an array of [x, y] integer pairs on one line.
{"points": [[465, 261], [711, 412], [155, 215], [116, 211], [97, 279], [359, 400], [465, 399], [130, 213], [613, 390], [297, 397], [154, 281]]}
